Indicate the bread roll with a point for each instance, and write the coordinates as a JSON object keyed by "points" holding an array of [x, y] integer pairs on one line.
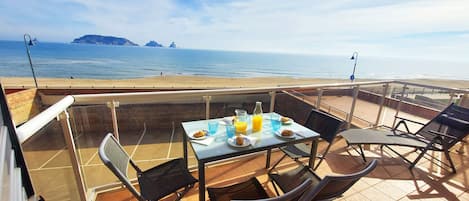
{"points": [[284, 119], [199, 134], [287, 132], [239, 140]]}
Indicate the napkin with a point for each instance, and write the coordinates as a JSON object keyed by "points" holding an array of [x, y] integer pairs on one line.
{"points": [[207, 141], [251, 139], [226, 121]]}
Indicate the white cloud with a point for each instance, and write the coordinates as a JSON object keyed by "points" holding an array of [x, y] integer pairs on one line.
{"points": [[319, 27]]}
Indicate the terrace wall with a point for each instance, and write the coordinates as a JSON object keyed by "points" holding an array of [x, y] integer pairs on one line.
{"points": [[24, 105]]}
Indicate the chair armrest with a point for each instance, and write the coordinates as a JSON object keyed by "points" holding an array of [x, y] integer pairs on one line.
{"points": [[403, 122], [442, 134], [412, 121]]}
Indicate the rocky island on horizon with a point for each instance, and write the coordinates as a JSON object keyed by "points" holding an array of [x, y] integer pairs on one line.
{"points": [[153, 43], [103, 40]]}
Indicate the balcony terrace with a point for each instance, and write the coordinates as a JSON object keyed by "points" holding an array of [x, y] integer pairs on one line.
{"points": [[62, 159]]}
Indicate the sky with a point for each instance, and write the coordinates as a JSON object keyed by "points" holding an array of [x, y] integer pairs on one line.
{"points": [[389, 28]]}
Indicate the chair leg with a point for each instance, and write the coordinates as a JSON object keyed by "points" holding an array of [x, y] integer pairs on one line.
{"points": [[450, 161], [323, 156], [362, 153], [276, 163], [412, 165], [275, 187], [181, 194]]}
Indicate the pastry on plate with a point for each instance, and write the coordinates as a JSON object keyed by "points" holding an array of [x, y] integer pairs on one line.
{"points": [[287, 132], [285, 119], [239, 140], [199, 134]]}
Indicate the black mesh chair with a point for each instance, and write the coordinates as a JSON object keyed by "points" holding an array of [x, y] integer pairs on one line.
{"points": [[253, 190], [327, 188], [440, 134], [323, 123], [155, 183]]}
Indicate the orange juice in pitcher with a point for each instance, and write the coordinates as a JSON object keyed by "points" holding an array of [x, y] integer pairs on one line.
{"points": [[241, 124]]}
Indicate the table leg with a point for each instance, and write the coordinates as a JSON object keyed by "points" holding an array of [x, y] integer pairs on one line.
{"points": [[201, 181], [267, 160], [184, 145], [312, 156]]}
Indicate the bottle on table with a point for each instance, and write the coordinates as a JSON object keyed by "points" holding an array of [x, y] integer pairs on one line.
{"points": [[257, 118]]}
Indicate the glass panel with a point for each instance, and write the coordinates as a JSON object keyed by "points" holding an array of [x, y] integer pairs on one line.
{"points": [[48, 161]]}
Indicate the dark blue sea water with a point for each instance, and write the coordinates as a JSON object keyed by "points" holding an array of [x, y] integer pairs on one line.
{"points": [[116, 62]]}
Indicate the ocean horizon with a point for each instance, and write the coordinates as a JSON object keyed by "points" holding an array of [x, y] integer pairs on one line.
{"points": [[65, 60]]}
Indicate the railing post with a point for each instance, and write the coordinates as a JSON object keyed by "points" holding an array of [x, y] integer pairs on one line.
{"points": [[272, 101], [352, 109], [112, 105], [64, 119], [451, 97], [207, 106], [318, 101], [381, 104], [398, 108]]}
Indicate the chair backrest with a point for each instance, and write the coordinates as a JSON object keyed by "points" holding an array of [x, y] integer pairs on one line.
{"points": [[116, 159], [334, 186], [325, 124], [453, 121], [291, 195]]}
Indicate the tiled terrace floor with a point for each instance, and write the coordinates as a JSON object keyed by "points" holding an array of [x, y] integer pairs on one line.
{"points": [[391, 180]]}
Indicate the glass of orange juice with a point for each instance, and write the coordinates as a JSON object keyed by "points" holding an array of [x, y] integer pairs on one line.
{"points": [[256, 123]]}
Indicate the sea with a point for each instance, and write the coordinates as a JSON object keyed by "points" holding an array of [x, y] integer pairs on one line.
{"points": [[65, 60]]}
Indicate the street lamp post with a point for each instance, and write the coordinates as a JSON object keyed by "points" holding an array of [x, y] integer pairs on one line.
{"points": [[27, 44], [354, 57]]}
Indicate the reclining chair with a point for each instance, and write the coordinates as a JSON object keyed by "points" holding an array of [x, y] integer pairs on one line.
{"points": [[440, 134], [155, 183]]}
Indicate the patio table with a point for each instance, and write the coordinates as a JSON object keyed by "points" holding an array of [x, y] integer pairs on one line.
{"points": [[219, 149]]}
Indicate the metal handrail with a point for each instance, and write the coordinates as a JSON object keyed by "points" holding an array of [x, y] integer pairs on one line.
{"points": [[33, 125], [29, 128]]}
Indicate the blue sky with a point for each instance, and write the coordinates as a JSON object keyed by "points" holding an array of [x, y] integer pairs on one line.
{"points": [[425, 29]]}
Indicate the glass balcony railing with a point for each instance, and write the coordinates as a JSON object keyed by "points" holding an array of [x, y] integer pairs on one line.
{"points": [[62, 155]]}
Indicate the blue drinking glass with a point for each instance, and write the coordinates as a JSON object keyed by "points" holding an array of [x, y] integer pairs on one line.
{"points": [[230, 131], [275, 122], [212, 127]]}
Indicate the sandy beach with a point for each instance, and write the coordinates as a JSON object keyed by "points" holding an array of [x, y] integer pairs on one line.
{"points": [[193, 82]]}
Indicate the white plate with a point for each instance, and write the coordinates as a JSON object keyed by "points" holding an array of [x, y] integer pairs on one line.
{"points": [[232, 142], [287, 122], [279, 133], [191, 136]]}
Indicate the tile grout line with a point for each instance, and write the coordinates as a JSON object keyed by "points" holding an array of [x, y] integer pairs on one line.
{"points": [[171, 141], [139, 140], [56, 154], [91, 158], [92, 165]]}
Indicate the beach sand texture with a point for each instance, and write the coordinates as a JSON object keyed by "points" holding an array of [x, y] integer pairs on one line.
{"points": [[195, 82]]}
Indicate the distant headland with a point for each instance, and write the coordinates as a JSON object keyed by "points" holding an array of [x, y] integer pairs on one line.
{"points": [[103, 40], [112, 40]]}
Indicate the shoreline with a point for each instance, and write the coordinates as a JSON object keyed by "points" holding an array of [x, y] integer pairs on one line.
{"points": [[195, 82]]}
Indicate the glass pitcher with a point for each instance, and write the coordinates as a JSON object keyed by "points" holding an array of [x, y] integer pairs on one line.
{"points": [[241, 121]]}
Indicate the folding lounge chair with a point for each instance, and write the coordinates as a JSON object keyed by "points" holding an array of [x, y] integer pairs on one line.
{"points": [[326, 125], [155, 183], [253, 190], [321, 189], [440, 134]]}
